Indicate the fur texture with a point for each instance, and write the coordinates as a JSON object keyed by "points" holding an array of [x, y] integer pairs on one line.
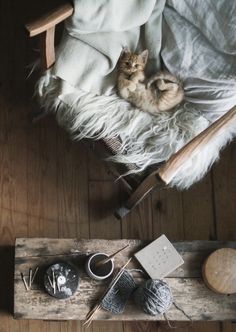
{"points": [[133, 86], [146, 139]]}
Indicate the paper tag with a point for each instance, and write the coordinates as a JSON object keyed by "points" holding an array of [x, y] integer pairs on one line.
{"points": [[159, 258]]}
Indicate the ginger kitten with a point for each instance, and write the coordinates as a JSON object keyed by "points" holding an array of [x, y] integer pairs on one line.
{"points": [[133, 86]]}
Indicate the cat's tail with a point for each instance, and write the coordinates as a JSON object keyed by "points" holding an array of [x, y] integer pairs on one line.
{"points": [[164, 75]]}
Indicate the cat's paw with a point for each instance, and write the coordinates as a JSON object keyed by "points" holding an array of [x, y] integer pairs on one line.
{"points": [[132, 87], [161, 84], [124, 93]]}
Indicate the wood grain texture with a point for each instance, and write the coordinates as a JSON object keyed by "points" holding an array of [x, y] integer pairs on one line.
{"points": [[42, 174], [198, 211], [199, 223], [98, 169], [224, 182], [173, 165], [72, 188], [24, 215], [168, 219], [103, 198], [50, 19], [228, 327], [47, 48], [13, 176], [138, 224], [219, 271], [187, 286]]}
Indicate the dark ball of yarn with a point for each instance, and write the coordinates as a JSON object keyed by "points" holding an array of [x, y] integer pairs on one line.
{"points": [[154, 297]]}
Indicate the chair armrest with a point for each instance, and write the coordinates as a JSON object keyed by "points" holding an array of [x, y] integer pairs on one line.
{"points": [[49, 20], [163, 176], [45, 26], [172, 166]]}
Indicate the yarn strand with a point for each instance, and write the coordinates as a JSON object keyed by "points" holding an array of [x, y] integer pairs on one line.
{"points": [[182, 310]]}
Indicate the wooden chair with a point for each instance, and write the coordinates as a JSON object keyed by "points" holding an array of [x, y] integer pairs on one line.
{"points": [[137, 186]]}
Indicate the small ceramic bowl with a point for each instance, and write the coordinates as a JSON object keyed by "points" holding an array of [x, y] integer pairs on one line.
{"points": [[66, 280], [101, 272]]}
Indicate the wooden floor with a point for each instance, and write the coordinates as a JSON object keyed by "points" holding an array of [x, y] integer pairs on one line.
{"points": [[52, 187]]}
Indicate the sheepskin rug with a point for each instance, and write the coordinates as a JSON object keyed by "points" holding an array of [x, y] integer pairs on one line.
{"points": [[146, 139]]}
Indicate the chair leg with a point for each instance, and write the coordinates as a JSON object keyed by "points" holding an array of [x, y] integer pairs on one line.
{"points": [[152, 181]]}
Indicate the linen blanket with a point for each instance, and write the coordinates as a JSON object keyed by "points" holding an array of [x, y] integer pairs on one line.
{"points": [[195, 40]]}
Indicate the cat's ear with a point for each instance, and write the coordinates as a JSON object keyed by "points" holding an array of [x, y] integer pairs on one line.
{"points": [[125, 50], [144, 56]]}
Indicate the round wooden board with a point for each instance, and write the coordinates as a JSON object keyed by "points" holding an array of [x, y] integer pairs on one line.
{"points": [[219, 271]]}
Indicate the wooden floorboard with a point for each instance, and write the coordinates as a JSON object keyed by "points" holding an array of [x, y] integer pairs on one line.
{"points": [[198, 211], [139, 225], [167, 207], [186, 216], [224, 183], [52, 187], [103, 196]]}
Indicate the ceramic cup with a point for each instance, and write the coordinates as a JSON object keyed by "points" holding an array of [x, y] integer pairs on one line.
{"points": [[101, 272]]}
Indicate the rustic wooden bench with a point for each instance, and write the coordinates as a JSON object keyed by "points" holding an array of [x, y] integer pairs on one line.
{"points": [[189, 290]]}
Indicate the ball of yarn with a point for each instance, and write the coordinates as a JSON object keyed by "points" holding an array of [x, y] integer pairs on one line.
{"points": [[154, 297]]}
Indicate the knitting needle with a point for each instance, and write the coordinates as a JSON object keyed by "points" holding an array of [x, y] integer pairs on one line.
{"points": [[24, 281], [58, 285], [92, 312], [30, 278], [34, 275], [107, 259], [50, 281], [54, 282]]}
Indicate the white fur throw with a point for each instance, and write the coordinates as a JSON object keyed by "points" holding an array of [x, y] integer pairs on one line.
{"points": [[146, 139]]}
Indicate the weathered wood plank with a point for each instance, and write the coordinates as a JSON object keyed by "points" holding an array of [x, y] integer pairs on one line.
{"points": [[200, 303], [190, 293], [193, 253]]}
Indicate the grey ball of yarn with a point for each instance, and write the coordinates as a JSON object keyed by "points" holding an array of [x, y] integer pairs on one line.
{"points": [[154, 297]]}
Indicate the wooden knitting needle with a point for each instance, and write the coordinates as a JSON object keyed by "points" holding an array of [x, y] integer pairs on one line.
{"points": [[107, 259], [30, 278], [34, 274], [98, 306], [24, 281]]}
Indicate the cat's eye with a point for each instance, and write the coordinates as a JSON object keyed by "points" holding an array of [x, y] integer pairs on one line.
{"points": [[127, 63], [136, 66]]}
